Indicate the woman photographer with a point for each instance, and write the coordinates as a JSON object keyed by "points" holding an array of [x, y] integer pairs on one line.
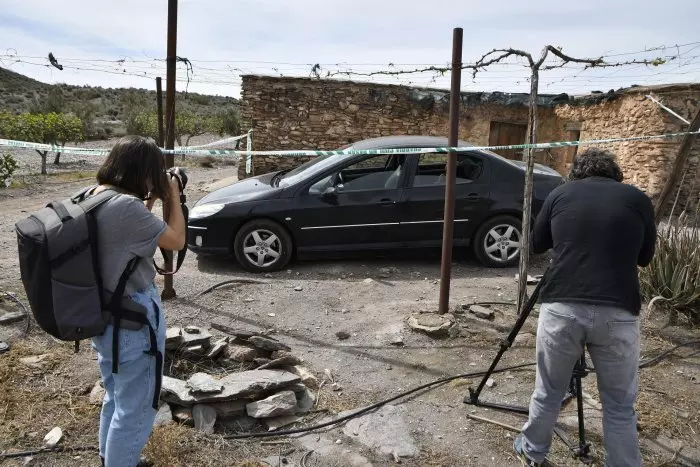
{"points": [[126, 229]]}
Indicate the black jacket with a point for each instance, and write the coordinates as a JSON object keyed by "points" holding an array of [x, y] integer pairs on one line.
{"points": [[600, 231]]}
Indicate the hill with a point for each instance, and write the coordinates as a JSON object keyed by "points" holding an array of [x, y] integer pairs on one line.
{"points": [[107, 108]]}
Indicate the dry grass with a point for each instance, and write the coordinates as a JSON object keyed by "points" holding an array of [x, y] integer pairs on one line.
{"points": [[33, 401]]}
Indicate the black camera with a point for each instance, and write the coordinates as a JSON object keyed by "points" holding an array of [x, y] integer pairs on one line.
{"points": [[181, 174]]}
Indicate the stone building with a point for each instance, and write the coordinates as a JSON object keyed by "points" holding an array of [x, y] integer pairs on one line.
{"points": [[307, 113]]}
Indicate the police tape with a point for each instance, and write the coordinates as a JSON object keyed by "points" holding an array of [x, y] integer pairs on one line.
{"points": [[353, 152], [233, 139]]}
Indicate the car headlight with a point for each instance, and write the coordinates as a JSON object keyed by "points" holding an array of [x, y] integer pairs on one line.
{"points": [[205, 210]]}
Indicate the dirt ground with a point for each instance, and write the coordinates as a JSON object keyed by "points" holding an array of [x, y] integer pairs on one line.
{"points": [[305, 307]]}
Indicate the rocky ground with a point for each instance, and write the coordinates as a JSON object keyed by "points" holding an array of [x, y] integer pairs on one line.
{"points": [[348, 323]]}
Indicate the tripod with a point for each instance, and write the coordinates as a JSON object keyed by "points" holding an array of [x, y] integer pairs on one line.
{"points": [[580, 451]]}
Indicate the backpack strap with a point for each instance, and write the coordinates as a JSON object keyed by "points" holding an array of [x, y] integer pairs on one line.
{"points": [[120, 313]]}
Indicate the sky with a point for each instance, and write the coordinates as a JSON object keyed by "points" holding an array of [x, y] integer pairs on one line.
{"points": [[123, 43]]}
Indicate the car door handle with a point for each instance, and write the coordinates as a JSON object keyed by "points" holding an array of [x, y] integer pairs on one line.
{"points": [[387, 202], [474, 196]]}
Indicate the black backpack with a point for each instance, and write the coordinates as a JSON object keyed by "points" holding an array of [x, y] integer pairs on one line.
{"points": [[60, 270]]}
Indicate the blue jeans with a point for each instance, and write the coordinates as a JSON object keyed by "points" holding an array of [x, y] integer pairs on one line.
{"points": [[127, 414], [612, 338]]}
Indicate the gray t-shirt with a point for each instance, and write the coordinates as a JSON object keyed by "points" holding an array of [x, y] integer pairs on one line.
{"points": [[125, 229]]}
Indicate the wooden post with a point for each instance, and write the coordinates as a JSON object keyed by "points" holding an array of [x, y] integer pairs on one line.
{"points": [[678, 165], [159, 98], [529, 160], [168, 289]]}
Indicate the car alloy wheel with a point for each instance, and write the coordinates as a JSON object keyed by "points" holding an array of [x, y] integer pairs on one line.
{"points": [[502, 243], [262, 248]]}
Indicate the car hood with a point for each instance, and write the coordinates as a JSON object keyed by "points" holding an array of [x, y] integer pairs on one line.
{"points": [[243, 190], [538, 168]]}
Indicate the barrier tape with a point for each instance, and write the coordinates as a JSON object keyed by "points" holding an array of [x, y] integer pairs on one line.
{"points": [[221, 141], [314, 153]]}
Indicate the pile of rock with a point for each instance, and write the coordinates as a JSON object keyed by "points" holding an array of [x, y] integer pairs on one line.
{"points": [[273, 387]]}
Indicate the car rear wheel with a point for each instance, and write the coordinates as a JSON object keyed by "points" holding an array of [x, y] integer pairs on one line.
{"points": [[497, 242], [262, 245]]}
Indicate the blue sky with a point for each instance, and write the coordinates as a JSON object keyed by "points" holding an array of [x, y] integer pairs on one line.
{"points": [[225, 39]]}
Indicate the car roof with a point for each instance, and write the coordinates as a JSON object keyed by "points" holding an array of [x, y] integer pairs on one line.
{"points": [[404, 141]]}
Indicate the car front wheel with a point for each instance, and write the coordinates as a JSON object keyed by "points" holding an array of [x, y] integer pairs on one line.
{"points": [[263, 245], [497, 242]]}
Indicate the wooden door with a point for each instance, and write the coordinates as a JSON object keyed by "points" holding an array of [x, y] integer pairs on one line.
{"points": [[504, 134]]}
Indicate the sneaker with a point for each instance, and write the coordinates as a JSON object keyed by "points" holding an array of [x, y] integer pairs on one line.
{"points": [[524, 460]]}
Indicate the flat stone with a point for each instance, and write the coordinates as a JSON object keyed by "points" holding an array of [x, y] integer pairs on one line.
{"points": [[241, 353], [392, 334], [53, 437], [308, 378], [173, 338], [482, 312], [385, 431], [236, 386], [4, 347], [183, 415], [218, 348], [285, 361], [276, 423], [9, 318], [193, 335], [229, 409], [204, 383], [35, 361], [261, 361], [305, 400], [97, 394], [268, 344], [298, 288], [204, 418], [431, 323], [283, 403], [164, 415], [369, 280]]}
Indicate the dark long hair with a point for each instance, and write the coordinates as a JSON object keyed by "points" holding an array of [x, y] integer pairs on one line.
{"points": [[595, 163], [133, 163]]}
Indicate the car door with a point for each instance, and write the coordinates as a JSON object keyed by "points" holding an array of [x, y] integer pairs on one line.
{"points": [[423, 203], [353, 206]]}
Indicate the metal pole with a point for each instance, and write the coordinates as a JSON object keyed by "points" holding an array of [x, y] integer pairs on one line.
{"points": [[448, 228], [159, 97], [168, 290]]}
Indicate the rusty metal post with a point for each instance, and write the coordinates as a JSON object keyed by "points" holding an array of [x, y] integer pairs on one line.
{"points": [[159, 98], [449, 213], [168, 290]]}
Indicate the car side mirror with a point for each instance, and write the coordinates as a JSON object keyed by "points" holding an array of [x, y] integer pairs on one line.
{"points": [[330, 194]]}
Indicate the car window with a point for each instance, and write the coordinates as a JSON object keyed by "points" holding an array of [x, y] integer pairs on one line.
{"points": [[373, 173], [432, 169]]}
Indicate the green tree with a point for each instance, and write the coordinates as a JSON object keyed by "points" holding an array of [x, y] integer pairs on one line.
{"points": [[52, 128], [228, 123], [86, 112]]}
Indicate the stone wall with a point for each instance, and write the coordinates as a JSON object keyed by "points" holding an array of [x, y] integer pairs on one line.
{"points": [[303, 113]]}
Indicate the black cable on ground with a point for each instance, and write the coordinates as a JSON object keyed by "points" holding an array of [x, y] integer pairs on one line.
{"points": [[10, 455], [369, 408], [231, 281], [650, 361], [24, 308]]}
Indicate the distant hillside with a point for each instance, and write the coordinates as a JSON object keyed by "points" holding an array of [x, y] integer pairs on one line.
{"points": [[107, 106]]}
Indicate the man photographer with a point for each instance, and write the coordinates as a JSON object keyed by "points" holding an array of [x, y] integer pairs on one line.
{"points": [[600, 231]]}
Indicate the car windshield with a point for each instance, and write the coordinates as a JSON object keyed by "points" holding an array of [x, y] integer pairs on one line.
{"points": [[309, 168]]}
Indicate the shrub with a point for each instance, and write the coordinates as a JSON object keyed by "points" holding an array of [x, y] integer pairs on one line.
{"points": [[673, 278], [8, 165]]}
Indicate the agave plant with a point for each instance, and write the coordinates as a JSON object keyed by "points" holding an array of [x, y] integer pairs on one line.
{"points": [[673, 278]]}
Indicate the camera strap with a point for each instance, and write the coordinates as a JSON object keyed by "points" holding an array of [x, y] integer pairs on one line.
{"points": [[180, 254]]}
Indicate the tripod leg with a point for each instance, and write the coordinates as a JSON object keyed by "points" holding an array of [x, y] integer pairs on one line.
{"points": [[473, 397]]}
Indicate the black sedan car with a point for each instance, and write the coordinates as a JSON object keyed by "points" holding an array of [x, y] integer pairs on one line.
{"points": [[345, 203]]}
